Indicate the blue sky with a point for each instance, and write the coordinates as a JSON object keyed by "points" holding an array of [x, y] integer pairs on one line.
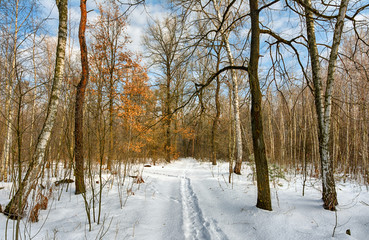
{"points": [[286, 23], [137, 20]]}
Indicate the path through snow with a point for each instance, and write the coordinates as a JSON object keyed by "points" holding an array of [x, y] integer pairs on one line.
{"points": [[194, 224], [188, 200]]}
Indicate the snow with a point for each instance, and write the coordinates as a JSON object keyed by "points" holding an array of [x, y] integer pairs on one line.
{"points": [[191, 200]]}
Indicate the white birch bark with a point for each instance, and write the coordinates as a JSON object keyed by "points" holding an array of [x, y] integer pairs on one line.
{"points": [[236, 105], [8, 137], [324, 106], [17, 204]]}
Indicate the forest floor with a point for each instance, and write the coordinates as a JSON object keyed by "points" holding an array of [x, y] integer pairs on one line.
{"points": [[191, 200]]}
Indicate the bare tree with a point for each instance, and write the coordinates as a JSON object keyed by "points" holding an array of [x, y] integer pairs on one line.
{"points": [[80, 98], [323, 103], [17, 204], [263, 201], [165, 42], [224, 22], [236, 106], [217, 114]]}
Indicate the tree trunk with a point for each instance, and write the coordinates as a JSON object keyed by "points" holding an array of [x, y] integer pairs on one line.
{"points": [[8, 138], [270, 128], [323, 106], [236, 107], [168, 118], [283, 154], [111, 106], [16, 206], [80, 98], [263, 201], [217, 115], [237, 120], [230, 136], [364, 141], [111, 138]]}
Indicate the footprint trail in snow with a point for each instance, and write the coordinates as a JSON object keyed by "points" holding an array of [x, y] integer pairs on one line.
{"points": [[195, 226]]}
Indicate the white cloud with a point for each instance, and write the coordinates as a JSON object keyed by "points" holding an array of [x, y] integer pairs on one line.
{"points": [[137, 22], [49, 7]]}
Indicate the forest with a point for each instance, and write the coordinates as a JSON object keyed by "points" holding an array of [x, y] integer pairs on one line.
{"points": [[114, 112]]}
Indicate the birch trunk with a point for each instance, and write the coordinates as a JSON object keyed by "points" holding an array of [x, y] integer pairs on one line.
{"points": [[16, 206], [236, 109], [236, 105], [324, 106], [230, 136], [8, 138]]}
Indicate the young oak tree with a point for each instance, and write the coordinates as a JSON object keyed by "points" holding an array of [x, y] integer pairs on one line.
{"points": [[120, 83]]}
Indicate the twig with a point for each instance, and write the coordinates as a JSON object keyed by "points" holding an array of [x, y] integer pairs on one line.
{"points": [[335, 225], [225, 181]]}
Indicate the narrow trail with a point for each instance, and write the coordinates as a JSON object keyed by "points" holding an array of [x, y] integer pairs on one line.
{"points": [[195, 225], [193, 220]]}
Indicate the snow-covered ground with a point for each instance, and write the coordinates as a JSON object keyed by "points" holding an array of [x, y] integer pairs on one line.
{"points": [[191, 200]]}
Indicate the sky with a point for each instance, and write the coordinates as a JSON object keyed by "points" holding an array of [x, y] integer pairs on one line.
{"points": [[137, 20], [283, 22]]}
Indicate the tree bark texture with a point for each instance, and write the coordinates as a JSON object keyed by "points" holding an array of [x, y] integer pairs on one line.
{"points": [[16, 206], [263, 201], [80, 98], [236, 105], [324, 105]]}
